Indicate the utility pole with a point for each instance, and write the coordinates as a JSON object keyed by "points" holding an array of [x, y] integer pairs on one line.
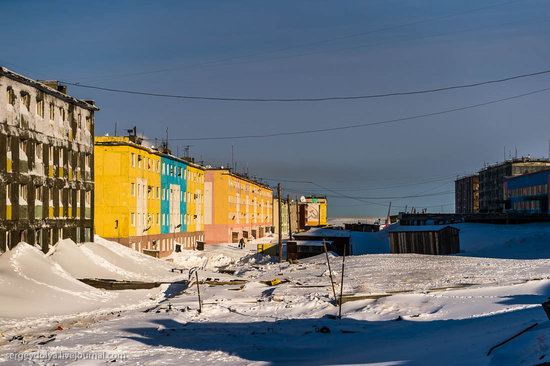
{"points": [[280, 222], [289, 219], [388, 217], [297, 215]]}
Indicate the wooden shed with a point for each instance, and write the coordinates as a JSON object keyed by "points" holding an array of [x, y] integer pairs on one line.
{"points": [[436, 240]]}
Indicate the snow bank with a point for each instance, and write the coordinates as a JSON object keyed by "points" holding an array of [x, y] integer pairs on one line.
{"points": [[126, 262], [79, 263], [524, 241], [36, 285], [202, 259], [32, 284]]}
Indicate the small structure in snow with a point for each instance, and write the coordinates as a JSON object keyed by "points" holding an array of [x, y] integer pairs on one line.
{"points": [[299, 249], [436, 240], [340, 238]]}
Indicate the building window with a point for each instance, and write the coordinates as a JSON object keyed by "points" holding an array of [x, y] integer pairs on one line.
{"points": [[23, 194], [133, 189], [89, 123], [52, 112], [40, 107], [11, 95], [133, 160], [139, 161], [23, 146], [8, 194], [26, 100], [38, 194], [62, 113], [133, 219]]}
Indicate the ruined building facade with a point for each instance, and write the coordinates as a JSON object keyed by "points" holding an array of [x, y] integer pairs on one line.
{"points": [[491, 180], [46, 163], [467, 194]]}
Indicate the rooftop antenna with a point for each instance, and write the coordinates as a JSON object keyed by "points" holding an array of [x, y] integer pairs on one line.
{"points": [[115, 128], [232, 159], [516, 152], [186, 149], [549, 149]]}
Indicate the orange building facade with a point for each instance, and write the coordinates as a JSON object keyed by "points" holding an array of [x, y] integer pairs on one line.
{"points": [[235, 207]]}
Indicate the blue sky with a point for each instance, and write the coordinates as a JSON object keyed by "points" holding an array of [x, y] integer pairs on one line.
{"points": [[306, 49]]}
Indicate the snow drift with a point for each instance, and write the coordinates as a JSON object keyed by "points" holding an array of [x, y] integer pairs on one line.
{"points": [[32, 284]]}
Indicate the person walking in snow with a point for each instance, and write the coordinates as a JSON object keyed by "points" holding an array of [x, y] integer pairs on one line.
{"points": [[241, 243]]}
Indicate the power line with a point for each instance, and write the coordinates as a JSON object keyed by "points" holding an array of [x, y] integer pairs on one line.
{"points": [[447, 179], [358, 125], [386, 197], [385, 42], [309, 99], [364, 200], [309, 44]]}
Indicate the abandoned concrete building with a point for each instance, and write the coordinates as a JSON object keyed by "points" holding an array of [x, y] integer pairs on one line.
{"points": [[491, 180], [467, 194], [46, 163]]}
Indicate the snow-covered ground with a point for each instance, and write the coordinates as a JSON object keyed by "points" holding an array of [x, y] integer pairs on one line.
{"points": [[400, 309]]}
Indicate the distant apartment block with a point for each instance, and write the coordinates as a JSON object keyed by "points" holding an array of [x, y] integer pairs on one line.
{"points": [[235, 207], [491, 180], [528, 193], [46, 163], [467, 194], [147, 199]]}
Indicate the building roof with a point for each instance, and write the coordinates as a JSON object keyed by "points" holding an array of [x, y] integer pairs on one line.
{"points": [[544, 171], [310, 243], [325, 232], [520, 160], [239, 176], [476, 175], [419, 228], [46, 89], [126, 141]]}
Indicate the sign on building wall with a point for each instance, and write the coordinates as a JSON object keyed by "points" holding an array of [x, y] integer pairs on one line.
{"points": [[313, 214]]}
